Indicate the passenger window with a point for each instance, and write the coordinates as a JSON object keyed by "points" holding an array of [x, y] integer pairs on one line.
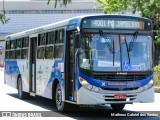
{"points": [[24, 53], [7, 55], [18, 54], [8, 45], [41, 39], [25, 42], [49, 52], [18, 43], [40, 54], [58, 51], [56, 36], [11, 54], [13, 44], [50, 38], [61, 36]]}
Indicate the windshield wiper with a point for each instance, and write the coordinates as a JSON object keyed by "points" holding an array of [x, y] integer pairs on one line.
{"points": [[131, 44], [134, 38], [107, 42]]}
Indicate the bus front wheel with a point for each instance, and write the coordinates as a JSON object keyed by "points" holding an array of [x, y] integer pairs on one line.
{"points": [[60, 105], [117, 107]]}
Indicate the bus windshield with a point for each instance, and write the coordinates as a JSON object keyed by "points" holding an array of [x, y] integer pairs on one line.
{"points": [[115, 52]]}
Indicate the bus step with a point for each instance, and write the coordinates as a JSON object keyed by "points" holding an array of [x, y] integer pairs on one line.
{"points": [[32, 94], [70, 102]]}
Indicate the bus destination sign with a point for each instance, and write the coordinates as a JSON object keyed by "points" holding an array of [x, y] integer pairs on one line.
{"points": [[115, 24]]}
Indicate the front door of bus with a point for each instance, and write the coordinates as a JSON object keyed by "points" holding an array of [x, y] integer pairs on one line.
{"points": [[70, 67], [32, 72]]}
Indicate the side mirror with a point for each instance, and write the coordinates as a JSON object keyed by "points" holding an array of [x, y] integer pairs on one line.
{"points": [[77, 41]]}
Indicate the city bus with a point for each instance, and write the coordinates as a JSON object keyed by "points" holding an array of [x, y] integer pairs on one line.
{"points": [[92, 60]]}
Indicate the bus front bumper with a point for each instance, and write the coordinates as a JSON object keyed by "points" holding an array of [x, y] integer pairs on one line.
{"points": [[87, 97]]}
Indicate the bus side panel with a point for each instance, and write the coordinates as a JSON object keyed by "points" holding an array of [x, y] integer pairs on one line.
{"points": [[15, 72], [13, 68], [53, 71], [41, 75], [24, 73], [7, 73], [47, 83]]}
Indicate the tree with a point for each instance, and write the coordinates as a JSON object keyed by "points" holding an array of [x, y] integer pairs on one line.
{"points": [[147, 8], [3, 18], [64, 2]]}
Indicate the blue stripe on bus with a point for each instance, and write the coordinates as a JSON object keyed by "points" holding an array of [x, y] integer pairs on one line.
{"points": [[11, 67], [98, 83]]}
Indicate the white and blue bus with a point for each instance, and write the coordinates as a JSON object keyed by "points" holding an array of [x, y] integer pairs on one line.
{"points": [[86, 60]]}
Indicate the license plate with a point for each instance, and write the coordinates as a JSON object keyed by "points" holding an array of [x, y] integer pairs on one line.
{"points": [[120, 96]]}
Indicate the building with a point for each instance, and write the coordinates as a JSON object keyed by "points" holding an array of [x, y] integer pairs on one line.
{"points": [[27, 14]]}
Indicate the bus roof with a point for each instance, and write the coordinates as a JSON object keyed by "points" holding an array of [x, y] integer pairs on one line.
{"points": [[70, 21]]}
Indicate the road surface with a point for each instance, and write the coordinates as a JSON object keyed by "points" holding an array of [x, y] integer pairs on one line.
{"points": [[10, 102]]}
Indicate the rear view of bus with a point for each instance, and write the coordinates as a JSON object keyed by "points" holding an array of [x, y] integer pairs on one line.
{"points": [[115, 61]]}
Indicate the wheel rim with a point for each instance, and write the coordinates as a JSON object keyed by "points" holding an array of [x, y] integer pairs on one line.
{"points": [[59, 98]]}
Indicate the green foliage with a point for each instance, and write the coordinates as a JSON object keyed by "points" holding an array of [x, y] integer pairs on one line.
{"points": [[64, 2], [157, 75], [147, 8], [3, 18]]}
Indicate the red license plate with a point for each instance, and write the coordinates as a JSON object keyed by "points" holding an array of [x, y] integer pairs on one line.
{"points": [[120, 96]]}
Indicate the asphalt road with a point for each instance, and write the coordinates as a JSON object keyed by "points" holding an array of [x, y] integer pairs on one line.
{"points": [[10, 102]]}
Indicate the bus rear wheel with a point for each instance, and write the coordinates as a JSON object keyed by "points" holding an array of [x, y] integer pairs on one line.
{"points": [[117, 107], [60, 105], [21, 94]]}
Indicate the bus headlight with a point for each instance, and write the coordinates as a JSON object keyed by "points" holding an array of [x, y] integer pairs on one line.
{"points": [[88, 86], [146, 87]]}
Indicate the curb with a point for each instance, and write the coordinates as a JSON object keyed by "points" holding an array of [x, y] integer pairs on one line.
{"points": [[157, 89]]}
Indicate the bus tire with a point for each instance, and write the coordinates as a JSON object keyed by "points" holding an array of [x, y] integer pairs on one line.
{"points": [[117, 107], [21, 93], [60, 105]]}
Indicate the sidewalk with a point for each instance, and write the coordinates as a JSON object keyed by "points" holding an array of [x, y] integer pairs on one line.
{"points": [[157, 89]]}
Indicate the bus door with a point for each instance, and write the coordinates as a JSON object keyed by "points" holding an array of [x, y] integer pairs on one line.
{"points": [[32, 64], [70, 66]]}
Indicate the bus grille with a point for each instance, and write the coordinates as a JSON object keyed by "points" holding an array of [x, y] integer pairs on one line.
{"points": [[120, 77], [117, 89]]}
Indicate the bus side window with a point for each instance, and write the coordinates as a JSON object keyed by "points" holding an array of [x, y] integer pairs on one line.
{"points": [[40, 54], [58, 51], [11, 54], [7, 49], [49, 45], [12, 44], [7, 55], [8, 45], [18, 48], [18, 43], [24, 44], [24, 54], [50, 38], [18, 54], [59, 44], [49, 51], [41, 45], [41, 39]]}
